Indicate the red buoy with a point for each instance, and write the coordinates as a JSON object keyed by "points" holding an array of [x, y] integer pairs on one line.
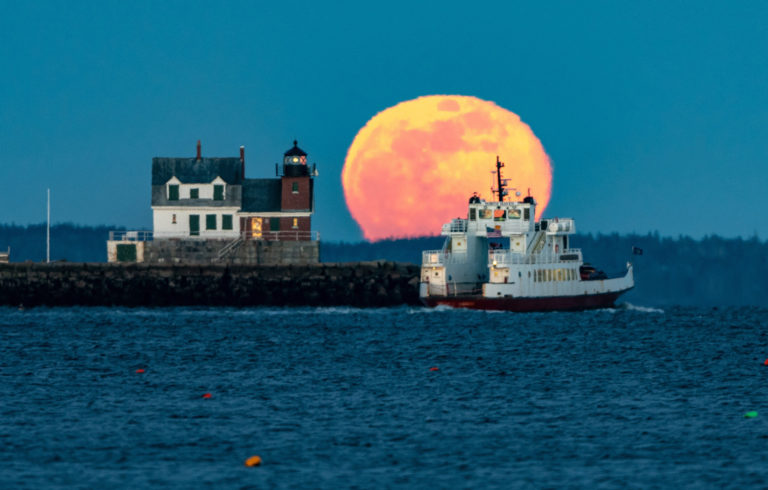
{"points": [[207, 395], [766, 362], [434, 369], [139, 371]]}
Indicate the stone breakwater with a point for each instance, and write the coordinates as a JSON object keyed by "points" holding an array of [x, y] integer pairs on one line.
{"points": [[361, 284]]}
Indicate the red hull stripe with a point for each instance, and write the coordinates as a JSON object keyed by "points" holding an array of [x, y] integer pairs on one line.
{"points": [[551, 303]]}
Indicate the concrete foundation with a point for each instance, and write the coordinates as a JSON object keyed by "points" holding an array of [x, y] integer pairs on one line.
{"points": [[246, 252]]}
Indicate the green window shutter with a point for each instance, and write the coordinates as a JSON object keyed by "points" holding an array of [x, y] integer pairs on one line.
{"points": [[194, 225], [226, 222], [218, 192], [274, 224], [173, 192], [194, 193], [210, 221]]}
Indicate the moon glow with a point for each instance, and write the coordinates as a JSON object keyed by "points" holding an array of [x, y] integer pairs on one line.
{"points": [[413, 166]]}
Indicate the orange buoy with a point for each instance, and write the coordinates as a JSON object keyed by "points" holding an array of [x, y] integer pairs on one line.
{"points": [[434, 369], [253, 461], [766, 362], [207, 395], [139, 371]]}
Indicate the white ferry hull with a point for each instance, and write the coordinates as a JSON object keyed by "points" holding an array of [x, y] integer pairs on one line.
{"points": [[530, 304]]}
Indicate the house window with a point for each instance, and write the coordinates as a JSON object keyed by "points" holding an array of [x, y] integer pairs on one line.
{"points": [[194, 193], [295, 222], [218, 192], [274, 224], [173, 192], [226, 221], [173, 219], [295, 188], [210, 221]]}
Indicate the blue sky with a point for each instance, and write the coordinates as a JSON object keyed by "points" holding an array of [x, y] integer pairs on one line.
{"points": [[655, 114]]}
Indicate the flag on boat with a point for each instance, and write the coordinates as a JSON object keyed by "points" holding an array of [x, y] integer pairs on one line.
{"points": [[637, 251], [493, 232]]}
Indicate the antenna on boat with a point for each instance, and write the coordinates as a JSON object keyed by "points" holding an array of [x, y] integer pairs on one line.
{"points": [[500, 182]]}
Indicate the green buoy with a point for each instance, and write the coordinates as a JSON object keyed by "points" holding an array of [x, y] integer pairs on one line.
{"points": [[750, 415]]}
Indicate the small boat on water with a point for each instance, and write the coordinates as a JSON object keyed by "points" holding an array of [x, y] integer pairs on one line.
{"points": [[501, 258]]}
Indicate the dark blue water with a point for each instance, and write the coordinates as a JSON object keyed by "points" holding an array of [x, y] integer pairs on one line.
{"points": [[338, 398]]}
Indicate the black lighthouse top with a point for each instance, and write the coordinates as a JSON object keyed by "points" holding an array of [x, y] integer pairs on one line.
{"points": [[295, 162]]}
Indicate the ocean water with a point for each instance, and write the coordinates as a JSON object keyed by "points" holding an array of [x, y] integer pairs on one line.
{"points": [[630, 397]]}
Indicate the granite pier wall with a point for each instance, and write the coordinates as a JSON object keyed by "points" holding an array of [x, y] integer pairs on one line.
{"points": [[366, 284]]}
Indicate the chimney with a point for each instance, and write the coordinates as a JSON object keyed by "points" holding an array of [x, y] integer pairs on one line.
{"points": [[242, 161], [198, 149]]}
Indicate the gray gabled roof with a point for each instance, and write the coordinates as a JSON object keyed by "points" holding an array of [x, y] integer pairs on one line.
{"points": [[194, 171], [261, 195]]}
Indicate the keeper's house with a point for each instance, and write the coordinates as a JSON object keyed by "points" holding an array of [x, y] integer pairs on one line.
{"points": [[205, 211]]}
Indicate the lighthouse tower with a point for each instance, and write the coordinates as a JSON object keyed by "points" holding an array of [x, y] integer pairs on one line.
{"points": [[297, 185]]}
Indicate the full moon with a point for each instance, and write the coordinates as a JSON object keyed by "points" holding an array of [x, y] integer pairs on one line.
{"points": [[413, 166]]}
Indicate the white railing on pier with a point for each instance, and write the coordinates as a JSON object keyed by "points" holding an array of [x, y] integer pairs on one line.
{"points": [[507, 257], [270, 236], [130, 236]]}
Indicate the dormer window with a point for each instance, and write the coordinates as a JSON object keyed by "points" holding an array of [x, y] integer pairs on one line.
{"points": [[218, 192], [194, 193], [173, 192]]}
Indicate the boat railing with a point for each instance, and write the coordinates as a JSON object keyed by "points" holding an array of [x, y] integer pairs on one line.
{"points": [[508, 257], [457, 225], [560, 225], [435, 258]]}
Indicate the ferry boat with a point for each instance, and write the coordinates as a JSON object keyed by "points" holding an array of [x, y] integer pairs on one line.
{"points": [[500, 258]]}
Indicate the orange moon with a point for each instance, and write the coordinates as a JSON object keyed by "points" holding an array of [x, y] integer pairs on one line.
{"points": [[413, 166]]}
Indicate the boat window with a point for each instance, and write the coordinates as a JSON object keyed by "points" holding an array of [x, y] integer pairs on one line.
{"points": [[513, 213], [499, 215], [527, 214], [486, 213], [472, 214], [549, 274]]}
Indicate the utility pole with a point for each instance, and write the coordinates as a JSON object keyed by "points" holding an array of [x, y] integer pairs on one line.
{"points": [[48, 231]]}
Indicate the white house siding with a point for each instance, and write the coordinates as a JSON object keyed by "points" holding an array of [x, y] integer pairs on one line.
{"points": [[164, 227]]}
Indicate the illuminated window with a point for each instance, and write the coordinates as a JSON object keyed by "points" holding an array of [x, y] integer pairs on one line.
{"points": [[295, 222]]}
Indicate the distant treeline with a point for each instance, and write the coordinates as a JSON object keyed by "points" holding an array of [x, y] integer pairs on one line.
{"points": [[713, 271], [69, 242]]}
